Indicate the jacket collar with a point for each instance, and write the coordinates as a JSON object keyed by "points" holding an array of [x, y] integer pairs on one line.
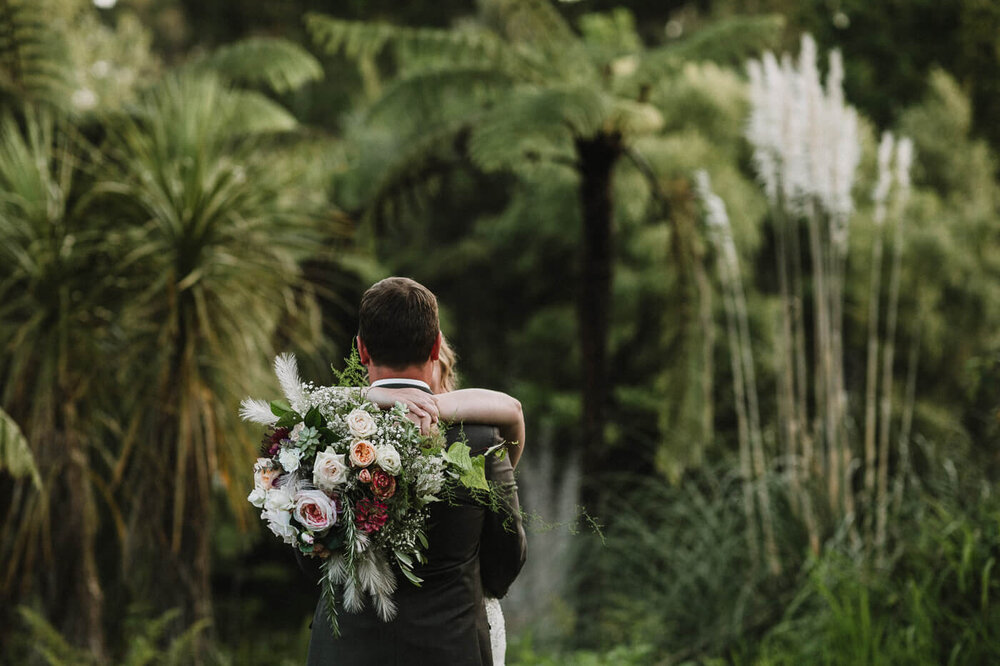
{"points": [[403, 382]]}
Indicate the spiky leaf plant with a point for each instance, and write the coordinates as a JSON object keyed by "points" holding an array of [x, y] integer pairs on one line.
{"points": [[55, 321], [216, 229], [15, 452]]}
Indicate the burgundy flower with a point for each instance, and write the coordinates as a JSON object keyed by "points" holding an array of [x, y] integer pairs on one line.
{"points": [[370, 515], [272, 441], [383, 484]]}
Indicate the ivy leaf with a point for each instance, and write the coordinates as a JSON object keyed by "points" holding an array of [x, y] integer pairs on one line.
{"points": [[471, 471]]}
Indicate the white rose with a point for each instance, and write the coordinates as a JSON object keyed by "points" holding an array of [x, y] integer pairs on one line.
{"points": [[280, 523], [388, 459], [257, 497], [361, 423], [315, 510], [279, 499], [289, 458], [330, 470]]}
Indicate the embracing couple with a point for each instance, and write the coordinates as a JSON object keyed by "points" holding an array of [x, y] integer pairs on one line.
{"points": [[475, 553]]}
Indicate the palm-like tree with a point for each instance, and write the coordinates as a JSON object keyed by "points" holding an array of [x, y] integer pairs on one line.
{"points": [[516, 90], [141, 282], [55, 301], [216, 229]]}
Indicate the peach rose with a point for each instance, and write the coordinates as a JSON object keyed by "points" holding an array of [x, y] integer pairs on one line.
{"points": [[265, 474], [362, 453]]}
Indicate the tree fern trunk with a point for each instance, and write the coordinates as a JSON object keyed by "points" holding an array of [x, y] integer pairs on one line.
{"points": [[597, 157]]}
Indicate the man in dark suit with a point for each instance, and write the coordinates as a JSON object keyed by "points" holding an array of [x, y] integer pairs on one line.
{"points": [[442, 622]]}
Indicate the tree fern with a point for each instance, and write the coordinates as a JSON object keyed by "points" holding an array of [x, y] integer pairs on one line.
{"points": [[437, 95], [729, 41], [470, 47], [537, 124], [552, 98], [15, 453], [34, 63], [278, 64]]}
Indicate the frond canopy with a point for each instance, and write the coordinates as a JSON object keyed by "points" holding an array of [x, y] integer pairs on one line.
{"points": [[727, 42], [278, 64], [34, 58]]}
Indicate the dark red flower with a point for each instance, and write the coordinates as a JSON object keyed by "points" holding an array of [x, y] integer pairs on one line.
{"points": [[370, 515], [383, 484], [271, 443]]}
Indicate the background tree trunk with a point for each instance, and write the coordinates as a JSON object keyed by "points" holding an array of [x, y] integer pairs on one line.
{"points": [[597, 157]]}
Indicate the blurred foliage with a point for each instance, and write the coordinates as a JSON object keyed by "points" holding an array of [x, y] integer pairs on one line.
{"points": [[171, 174]]}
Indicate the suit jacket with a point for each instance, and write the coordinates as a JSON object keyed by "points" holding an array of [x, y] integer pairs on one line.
{"points": [[442, 621]]}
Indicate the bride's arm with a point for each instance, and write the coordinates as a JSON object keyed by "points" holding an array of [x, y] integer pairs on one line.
{"points": [[485, 406], [421, 406]]}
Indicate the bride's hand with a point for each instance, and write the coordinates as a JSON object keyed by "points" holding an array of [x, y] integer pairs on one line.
{"points": [[422, 408]]}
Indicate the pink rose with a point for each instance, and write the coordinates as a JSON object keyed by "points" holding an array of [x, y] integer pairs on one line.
{"points": [[364, 476], [314, 510]]}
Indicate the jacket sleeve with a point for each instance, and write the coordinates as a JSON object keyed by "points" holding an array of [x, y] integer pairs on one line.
{"points": [[503, 546]]}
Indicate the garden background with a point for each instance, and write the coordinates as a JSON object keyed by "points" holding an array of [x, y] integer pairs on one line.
{"points": [[738, 259]]}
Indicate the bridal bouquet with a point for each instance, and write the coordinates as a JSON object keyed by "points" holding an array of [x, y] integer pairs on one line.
{"points": [[342, 480]]}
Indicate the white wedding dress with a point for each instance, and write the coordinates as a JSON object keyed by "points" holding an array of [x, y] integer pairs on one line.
{"points": [[498, 630]]}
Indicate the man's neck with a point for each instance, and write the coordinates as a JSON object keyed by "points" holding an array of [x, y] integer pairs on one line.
{"points": [[419, 372]]}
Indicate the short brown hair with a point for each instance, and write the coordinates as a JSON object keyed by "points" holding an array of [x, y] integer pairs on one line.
{"points": [[398, 322]]}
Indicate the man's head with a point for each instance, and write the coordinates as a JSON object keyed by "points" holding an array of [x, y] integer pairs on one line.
{"points": [[398, 325]]}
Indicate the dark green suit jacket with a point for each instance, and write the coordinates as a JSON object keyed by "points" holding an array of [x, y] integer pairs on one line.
{"points": [[443, 621]]}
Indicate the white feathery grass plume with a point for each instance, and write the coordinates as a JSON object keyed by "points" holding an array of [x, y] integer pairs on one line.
{"points": [[845, 149], [717, 218], [376, 578], [884, 181], [354, 601], [761, 129], [835, 79], [715, 209], [847, 156], [257, 411], [337, 569], [904, 162], [817, 148], [287, 370], [794, 157]]}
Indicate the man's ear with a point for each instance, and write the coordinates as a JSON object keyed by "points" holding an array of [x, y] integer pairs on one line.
{"points": [[436, 348], [363, 352]]}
